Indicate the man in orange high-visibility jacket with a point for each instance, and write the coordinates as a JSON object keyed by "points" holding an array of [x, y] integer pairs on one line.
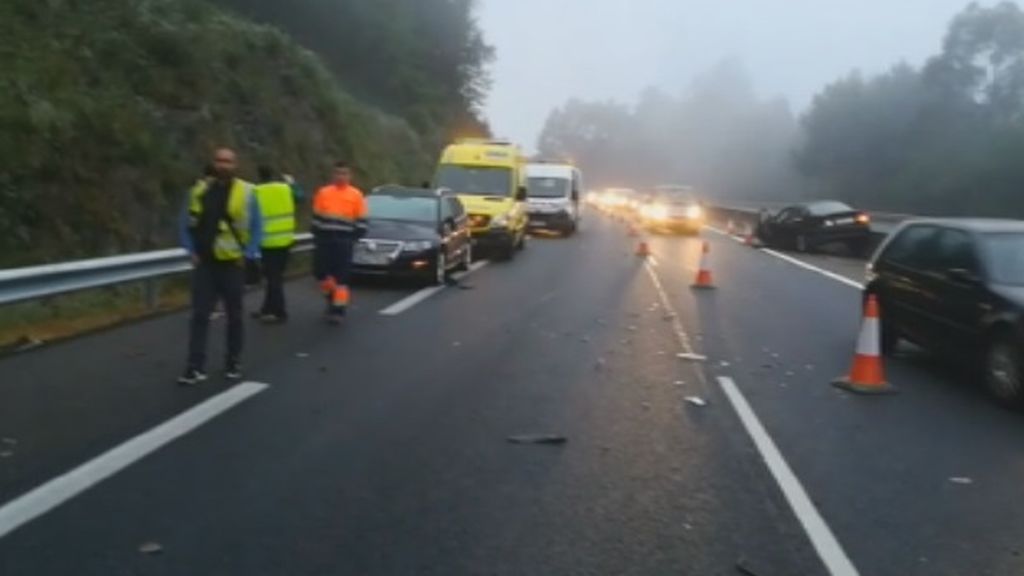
{"points": [[339, 221]]}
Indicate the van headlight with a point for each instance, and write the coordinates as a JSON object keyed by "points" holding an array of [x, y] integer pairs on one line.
{"points": [[417, 246]]}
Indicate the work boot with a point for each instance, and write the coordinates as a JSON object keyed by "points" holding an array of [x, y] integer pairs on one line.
{"points": [[233, 371], [191, 377]]}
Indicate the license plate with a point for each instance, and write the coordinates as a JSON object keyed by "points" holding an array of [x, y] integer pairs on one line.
{"points": [[842, 221], [362, 256]]}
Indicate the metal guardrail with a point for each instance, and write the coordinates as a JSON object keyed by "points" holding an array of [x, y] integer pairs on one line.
{"points": [[34, 282]]}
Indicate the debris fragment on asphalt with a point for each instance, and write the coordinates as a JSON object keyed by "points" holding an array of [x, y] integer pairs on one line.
{"points": [[680, 383], [692, 356], [631, 328], [550, 439], [9, 441], [767, 365], [26, 343], [302, 354], [743, 567], [790, 373], [668, 317], [151, 548], [696, 401], [723, 364], [585, 339], [456, 344], [775, 354], [6, 453], [961, 480], [809, 367], [646, 405]]}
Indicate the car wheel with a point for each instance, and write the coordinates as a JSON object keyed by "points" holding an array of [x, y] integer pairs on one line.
{"points": [[801, 243], [1003, 372], [890, 336]]}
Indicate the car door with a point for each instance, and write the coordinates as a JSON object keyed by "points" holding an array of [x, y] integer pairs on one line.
{"points": [[901, 283], [787, 224], [957, 305]]}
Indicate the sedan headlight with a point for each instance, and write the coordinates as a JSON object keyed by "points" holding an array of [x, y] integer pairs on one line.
{"points": [[500, 221], [417, 246], [655, 212], [694, 212]]}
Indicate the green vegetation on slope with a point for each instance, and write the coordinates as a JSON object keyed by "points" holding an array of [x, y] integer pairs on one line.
{"points": [[109, 108]]}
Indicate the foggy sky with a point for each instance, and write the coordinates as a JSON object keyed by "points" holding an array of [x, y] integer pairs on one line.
{"points": [[551, 50]]}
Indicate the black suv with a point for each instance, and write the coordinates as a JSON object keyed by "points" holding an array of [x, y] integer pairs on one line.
{"points": [[414, 232], [957, 287]]}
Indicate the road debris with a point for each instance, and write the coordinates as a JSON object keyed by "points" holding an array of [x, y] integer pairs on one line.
{"points": [[585, 339], [790, 373], [679, 383], [151, 548], [964, 480], [723, 364], [775, 354], [809, 367], [692, 356], [631, 328], [456, 344], [646, 405], [6, 453], [696, 401], [26, 343], [9, 441], [302, 354], [668, 317], [743, 567], [548, 439]]}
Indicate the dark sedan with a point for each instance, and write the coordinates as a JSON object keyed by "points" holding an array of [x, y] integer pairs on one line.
{"points": [[805, 227], [957, 287], [414, 233]]}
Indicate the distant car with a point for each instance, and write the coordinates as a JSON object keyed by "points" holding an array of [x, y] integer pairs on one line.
{"points": [[805, 227], [957, 287], [672, 209], [415, 233]]}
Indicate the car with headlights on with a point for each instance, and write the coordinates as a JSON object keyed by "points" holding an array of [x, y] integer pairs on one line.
{"points": [[672, 209], [415, 233]]}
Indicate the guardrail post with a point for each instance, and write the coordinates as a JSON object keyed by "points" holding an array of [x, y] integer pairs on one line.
{"points": [[151, 293]]}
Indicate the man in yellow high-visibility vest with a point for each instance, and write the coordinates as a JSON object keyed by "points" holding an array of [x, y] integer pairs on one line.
{"points": [[277, 198]]}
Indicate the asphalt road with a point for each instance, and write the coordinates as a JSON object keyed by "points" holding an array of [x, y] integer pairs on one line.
{"points": [[379, 447]]}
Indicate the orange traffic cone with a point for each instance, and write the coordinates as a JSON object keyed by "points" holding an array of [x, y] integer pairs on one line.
{"points": [[642, 249], [866, 374], [703, 280]]}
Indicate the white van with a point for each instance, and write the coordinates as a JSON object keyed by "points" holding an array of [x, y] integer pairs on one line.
{"points": [[553, 196]]}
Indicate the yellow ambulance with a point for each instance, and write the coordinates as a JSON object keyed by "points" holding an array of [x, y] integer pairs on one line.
{"points": [[489, 177]]}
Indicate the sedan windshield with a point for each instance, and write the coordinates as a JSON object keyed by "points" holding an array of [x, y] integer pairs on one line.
{"points": [[1006, 258], [410, 208], [548, 187], [475, 180]]}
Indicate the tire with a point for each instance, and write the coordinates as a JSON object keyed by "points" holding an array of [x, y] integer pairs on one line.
{"points": [[1004, 372], [467, 259]]}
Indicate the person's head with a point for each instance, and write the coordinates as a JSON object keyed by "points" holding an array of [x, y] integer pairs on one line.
{"points": [[225, 162], [266, 173], [342, 174]]}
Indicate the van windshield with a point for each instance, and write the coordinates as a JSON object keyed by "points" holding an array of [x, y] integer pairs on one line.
{"points": [[475, 180], [548, 187]]}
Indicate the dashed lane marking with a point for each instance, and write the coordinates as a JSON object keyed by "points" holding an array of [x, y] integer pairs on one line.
{"points": [[822, 538], [417, 297], [52, 494]]}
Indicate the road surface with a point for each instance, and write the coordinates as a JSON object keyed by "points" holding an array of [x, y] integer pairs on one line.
{"points": [[380, 447]]}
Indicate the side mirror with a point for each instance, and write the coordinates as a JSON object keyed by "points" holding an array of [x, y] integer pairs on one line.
{"points": [[962, 276], [521, 194]]}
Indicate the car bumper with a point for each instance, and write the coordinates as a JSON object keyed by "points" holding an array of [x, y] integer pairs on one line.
{"points": [[492, 238], [550, 220], [687, 225], [404, 266]]}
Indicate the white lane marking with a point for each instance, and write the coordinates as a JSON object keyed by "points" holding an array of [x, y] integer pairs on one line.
{"points": [[41, 500], [417, 297], [797, 262], [677, 325], [825, 543]]}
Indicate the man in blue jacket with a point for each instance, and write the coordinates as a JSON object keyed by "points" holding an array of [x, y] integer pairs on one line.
{"points": [[221, 226]]}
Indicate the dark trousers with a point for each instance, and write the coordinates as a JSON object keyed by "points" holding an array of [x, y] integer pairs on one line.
{"points": [[212, 281], [332, 266], [275, 261]]}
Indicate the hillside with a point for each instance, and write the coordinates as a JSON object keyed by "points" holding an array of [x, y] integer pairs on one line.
{"points": [[108, 109]]}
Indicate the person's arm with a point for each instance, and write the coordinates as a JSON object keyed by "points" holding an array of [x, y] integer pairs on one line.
{"points": [[252, 251]]}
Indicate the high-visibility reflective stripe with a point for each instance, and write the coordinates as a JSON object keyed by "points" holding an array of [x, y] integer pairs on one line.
{"points": [[277, 217]]}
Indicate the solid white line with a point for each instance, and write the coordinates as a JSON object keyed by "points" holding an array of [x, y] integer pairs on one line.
{"points": [[825, 543], [417, 297], [795, 261], [41, 500]]}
